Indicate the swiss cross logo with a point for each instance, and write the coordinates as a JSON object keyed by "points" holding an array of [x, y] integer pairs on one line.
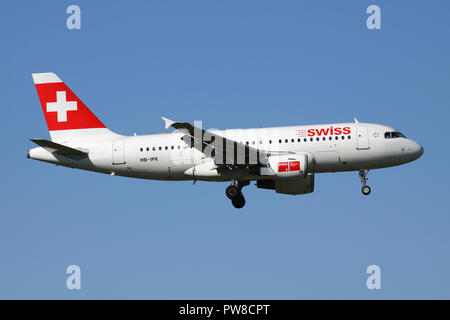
{"points": [[63, 110], [294, 165], [61, 106], [283, 166], [288, 166]]}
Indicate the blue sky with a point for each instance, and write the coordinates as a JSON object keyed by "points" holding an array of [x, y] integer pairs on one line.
{"points": [[232, 64]]}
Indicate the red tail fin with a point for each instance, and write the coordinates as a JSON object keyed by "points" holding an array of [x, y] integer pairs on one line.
{"points": [[63, 110]]}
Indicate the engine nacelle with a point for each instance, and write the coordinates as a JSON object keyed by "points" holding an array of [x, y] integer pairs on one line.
{"points": [[298, 186], [292, 166]]}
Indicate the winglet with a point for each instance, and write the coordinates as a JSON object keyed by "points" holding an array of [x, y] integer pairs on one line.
{"points": [[168, 122], [356, 120]]}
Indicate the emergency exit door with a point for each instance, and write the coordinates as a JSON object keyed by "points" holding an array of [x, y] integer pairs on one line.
{"points": [[118, 152]]}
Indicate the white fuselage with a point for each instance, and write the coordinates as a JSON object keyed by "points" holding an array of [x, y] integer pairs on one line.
{"points": [[166, 157]]}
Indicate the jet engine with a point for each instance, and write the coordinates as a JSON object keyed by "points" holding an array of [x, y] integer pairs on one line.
{"points": [[290, 174], [292, 166], [293, 186]]}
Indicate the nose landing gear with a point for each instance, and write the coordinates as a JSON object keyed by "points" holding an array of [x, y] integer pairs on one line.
{"points": [[234, 193], [365, 188]]}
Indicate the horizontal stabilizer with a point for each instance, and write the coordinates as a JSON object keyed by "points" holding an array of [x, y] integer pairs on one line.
{"points": [[58, 148]]}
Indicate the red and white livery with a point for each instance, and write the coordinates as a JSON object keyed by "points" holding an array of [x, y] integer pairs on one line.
{"points": [[284, 159]]}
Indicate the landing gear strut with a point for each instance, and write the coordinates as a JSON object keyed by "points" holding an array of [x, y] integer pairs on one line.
{"points": [[365, 188], [234, 193]]}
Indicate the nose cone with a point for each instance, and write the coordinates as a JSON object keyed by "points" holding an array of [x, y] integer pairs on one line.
{"points": [[415, 150], [420, 152]]}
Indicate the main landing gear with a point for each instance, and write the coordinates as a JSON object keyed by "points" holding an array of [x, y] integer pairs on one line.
{"points": [[365, 188], [234, 193]]}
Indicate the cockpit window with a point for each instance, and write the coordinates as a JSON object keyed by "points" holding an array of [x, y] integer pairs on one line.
{"points": [[394, 134], [397, 135]]}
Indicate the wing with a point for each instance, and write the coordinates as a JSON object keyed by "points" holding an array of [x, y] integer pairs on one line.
{"points": [[224, 151]]}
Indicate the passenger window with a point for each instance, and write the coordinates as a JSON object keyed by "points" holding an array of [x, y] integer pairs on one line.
{"points": [[160, 148], [280, 141], [336, 138], [246, 142], [286, 140], [305, 139], [324, 138], [166, 147], [292, 140], [299, 140], [148, 149], [349, 137], [142, 149], [318, 139], [178, 147], [270, 141], [343, 137], [310, 139], [253, 142], [153, 148], [171, 147]]}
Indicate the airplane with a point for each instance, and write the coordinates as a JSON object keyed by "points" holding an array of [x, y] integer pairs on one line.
{"points": [[283, 159]]}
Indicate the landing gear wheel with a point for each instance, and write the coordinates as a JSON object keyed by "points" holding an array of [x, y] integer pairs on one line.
{"points": [[232, 192], [238, 202], [363, 176], [365, 190]]}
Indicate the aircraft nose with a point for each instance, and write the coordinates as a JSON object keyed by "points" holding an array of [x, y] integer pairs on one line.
{"points": [[421, 151], [416, 149]]}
